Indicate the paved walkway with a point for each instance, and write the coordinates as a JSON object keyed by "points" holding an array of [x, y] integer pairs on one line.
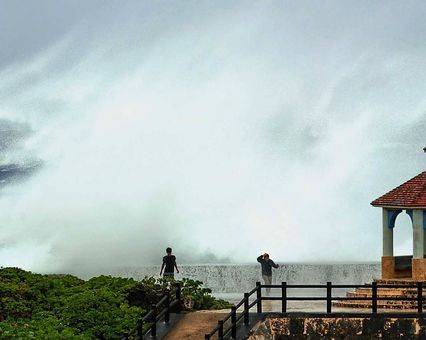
{"points": [[195, 325]]}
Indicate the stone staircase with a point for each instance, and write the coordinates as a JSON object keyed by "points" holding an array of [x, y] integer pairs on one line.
{"points": [[383, 293]]}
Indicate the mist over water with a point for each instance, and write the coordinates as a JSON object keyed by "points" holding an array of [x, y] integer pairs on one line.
{"points": [[224, 130]]}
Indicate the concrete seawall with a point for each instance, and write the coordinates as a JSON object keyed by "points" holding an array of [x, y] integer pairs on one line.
{"points": [[238, 278]]}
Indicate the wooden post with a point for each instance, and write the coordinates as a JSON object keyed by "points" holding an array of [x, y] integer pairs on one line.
{"points": [[179, 296], [167, 314], [178, 291], [420, 297], [246, 309], [233, 322], [283, 297], [154, 321], [139, 330], [374, 297], [259, 297], [220, 330], [328, 297]]}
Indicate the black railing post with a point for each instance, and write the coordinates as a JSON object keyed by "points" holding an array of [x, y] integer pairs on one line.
{"points": [[374, 297], [154, 321], [220, 330], [139, 330], [167, 313], [179, 296], [233, 322], [246, 309], [259, 297], [420, 297], [328, 297], [179, 292], [284, 297]]}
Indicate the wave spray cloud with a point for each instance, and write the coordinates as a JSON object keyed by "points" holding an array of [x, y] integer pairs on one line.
{"points": [[222, 129]]}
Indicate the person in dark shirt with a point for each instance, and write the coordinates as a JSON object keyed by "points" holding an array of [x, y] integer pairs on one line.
{"points": [[267, 265], [169, 264]]}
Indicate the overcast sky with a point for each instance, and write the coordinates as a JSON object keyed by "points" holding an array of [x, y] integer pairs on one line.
{"points": [[135, 125]]}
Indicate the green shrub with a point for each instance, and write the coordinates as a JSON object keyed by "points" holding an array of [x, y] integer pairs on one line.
{"points": [[35, 306], [38, 328], [200, 297]]}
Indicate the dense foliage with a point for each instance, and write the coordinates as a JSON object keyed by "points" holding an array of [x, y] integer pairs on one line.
{"points": [[66, 307]]}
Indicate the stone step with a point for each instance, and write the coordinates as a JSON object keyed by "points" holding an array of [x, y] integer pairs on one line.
{"points": [[388, 302], [367, 293], [397, 281], [351, 304], [382, 301], [389, 295], [380, 304]]}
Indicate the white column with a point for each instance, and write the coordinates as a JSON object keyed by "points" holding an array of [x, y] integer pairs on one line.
{"points": [[418, 235], [387, 235]]}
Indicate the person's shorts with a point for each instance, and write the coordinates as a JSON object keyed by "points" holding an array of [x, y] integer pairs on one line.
{"points": [[169, 275]]}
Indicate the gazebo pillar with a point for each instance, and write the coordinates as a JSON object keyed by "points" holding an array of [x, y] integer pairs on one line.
{"points": [[388, 261], [419, 262], [418, 235], [387, 235]]}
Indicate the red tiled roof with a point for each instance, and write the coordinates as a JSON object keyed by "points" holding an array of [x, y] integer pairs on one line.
{"points": [[411, 194]]}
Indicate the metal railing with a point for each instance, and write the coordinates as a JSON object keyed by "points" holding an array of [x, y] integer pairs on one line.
{"points": [[228, 325], [159, 311]]}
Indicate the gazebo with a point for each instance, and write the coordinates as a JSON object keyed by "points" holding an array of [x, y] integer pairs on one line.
{"points": [[411, 198]]}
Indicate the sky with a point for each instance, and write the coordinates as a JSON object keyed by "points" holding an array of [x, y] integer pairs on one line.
{"points": [[223, 129]]}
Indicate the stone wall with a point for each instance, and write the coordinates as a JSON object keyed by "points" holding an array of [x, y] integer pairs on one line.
{"points": [[276, 328], [239, 278]]}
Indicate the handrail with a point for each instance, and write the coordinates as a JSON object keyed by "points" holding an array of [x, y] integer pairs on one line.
{"points": [[240, 317], [252, 291], [252, 304], [155, 315], [239, 304], [415, 294], [148, 315], [162, 300]]}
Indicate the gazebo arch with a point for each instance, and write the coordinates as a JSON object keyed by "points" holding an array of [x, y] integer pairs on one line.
{"points": [[402, 235], [411, 198]]}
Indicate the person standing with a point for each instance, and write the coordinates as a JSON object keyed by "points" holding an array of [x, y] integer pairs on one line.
{"points": [[267, 264], [169, 265]]}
